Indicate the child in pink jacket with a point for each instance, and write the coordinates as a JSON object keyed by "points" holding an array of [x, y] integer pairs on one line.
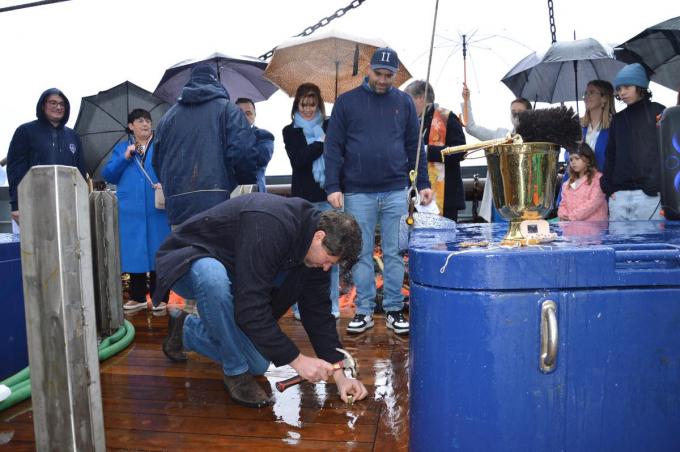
{"points": [[582, 197]]}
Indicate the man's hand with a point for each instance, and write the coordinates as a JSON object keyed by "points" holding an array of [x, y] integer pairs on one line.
{"points": [[425, 196], [336, 199], [15, 216], [312, 369], [348, 386]]}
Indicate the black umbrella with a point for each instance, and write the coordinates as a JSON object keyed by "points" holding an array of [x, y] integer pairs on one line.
{"points": [[102, 121], [241, 76], [658, 49], [562, 73]]}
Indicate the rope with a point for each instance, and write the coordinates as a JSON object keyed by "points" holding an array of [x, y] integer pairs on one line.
{"points": [[413, 196]]}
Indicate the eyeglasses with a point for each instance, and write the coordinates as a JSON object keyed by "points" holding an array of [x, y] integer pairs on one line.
{"points": [[54, 103], [309, 106], [591, 93]]}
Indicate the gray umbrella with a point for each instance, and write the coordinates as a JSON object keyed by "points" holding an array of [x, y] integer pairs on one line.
{"points": [[562, 73], [241, 76], [102, 121], [658, 49]]}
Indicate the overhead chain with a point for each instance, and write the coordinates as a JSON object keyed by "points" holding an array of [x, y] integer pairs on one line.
{"points": [[322, 23], [551, 15]]}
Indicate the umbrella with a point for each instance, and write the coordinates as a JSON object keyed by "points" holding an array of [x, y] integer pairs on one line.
{"points": [[562, 73], [658, 49], [241, 76], [336, 62], [102, 120]]}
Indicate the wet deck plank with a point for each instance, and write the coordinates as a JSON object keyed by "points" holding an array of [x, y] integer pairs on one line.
{"points": [[151, 403]]}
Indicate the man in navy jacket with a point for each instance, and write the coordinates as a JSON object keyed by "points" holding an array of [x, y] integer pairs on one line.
{"points": [[266, 146], [204, 147], [45, 141], [246, 261], [371, 145]]}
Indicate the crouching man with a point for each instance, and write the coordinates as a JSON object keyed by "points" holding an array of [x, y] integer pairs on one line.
{"points": [[245, 262]]}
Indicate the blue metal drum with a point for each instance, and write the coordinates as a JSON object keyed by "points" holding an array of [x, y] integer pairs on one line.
{"points": [[573, 345], [13, 344]]}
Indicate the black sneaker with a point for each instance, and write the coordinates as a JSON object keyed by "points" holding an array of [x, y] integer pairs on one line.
{"points": [[173, 344], [360, 323], [396, 321]]}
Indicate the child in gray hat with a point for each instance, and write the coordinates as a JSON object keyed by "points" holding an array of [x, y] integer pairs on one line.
{"points": [[632, 171]]}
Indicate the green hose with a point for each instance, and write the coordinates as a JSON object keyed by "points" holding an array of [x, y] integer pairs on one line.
{"points": [[20, 383]]}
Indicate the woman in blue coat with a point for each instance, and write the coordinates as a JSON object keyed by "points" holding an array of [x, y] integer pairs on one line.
{"points": [[599, 102], [142, 227]]}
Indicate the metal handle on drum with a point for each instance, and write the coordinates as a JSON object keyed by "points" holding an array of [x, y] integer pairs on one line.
{"points": [[549, 336]]}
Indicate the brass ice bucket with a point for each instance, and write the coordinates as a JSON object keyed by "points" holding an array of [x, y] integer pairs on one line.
{"points": [[523, 181]]}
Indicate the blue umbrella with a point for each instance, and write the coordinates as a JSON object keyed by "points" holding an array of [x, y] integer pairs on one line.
{"points": [[562, 73], [241, 76]]}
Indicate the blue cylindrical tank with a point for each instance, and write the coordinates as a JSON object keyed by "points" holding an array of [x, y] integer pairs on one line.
{"points": [[570, 346], [13, 343]]}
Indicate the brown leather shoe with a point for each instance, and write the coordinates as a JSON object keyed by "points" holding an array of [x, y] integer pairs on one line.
{"points": [[245, 391], [173, 345]]}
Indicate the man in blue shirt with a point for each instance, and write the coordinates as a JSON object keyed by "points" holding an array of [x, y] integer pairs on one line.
{"points": [[371, 145], [264, 155]]}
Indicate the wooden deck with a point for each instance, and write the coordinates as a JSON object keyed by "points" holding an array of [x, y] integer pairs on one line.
{"points": [[151, 403]]}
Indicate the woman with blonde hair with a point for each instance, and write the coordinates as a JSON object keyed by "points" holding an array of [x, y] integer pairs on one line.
{"points": [[599, 101]]}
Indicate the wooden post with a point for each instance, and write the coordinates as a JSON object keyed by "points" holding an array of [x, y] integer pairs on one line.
{"points": [[56, 261], [108, 292]]}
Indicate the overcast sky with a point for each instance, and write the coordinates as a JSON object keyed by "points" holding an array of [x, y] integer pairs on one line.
{"points": [[86, 46]]}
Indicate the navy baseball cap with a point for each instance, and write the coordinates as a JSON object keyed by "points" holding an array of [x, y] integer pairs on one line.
{"points": [[385, 58]]}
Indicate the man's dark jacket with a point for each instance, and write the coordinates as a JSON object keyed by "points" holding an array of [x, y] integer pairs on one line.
{"points": [[632, 159], [454, 192], [258, 237], [204, 148], [40, 143]]}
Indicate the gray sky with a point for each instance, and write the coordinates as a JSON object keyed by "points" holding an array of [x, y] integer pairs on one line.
{"points": [[86, 46]]}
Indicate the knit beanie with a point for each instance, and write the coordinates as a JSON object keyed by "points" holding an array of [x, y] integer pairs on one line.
{"points": [[632, 74]]}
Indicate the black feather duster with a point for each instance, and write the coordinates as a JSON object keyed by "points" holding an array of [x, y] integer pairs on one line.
{"points": [[557, 125]]}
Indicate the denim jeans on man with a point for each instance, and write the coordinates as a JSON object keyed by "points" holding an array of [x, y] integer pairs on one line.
{"points": [[369, 209], [335, 273], [627, 205], [215, 333]]}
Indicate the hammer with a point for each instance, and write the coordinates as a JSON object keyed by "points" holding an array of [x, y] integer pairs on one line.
{"points": [[348, 364]]}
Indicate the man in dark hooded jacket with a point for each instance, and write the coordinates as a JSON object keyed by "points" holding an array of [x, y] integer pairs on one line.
{"points": [[204, 147], [246, 261], [45, 141]]}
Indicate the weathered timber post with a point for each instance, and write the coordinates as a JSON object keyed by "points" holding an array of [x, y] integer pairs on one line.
{"points": [[56, 264], [108, 293]]}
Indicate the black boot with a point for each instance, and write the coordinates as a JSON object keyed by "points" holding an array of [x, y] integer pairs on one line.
{"points": [[173, 346], [245, 391]]}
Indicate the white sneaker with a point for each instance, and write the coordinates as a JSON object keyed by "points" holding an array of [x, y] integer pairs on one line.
{"points": [[161, 306], [360, 323], [4, 392], [396, 321], [134, 305]]}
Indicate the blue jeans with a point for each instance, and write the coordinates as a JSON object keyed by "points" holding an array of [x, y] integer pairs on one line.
{"points": [[368, 209], [634, 205], [215, 333], [335, 273]]}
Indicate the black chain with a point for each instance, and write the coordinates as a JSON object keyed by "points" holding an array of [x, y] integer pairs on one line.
{"points": [[551, 14], [322, 23]]}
